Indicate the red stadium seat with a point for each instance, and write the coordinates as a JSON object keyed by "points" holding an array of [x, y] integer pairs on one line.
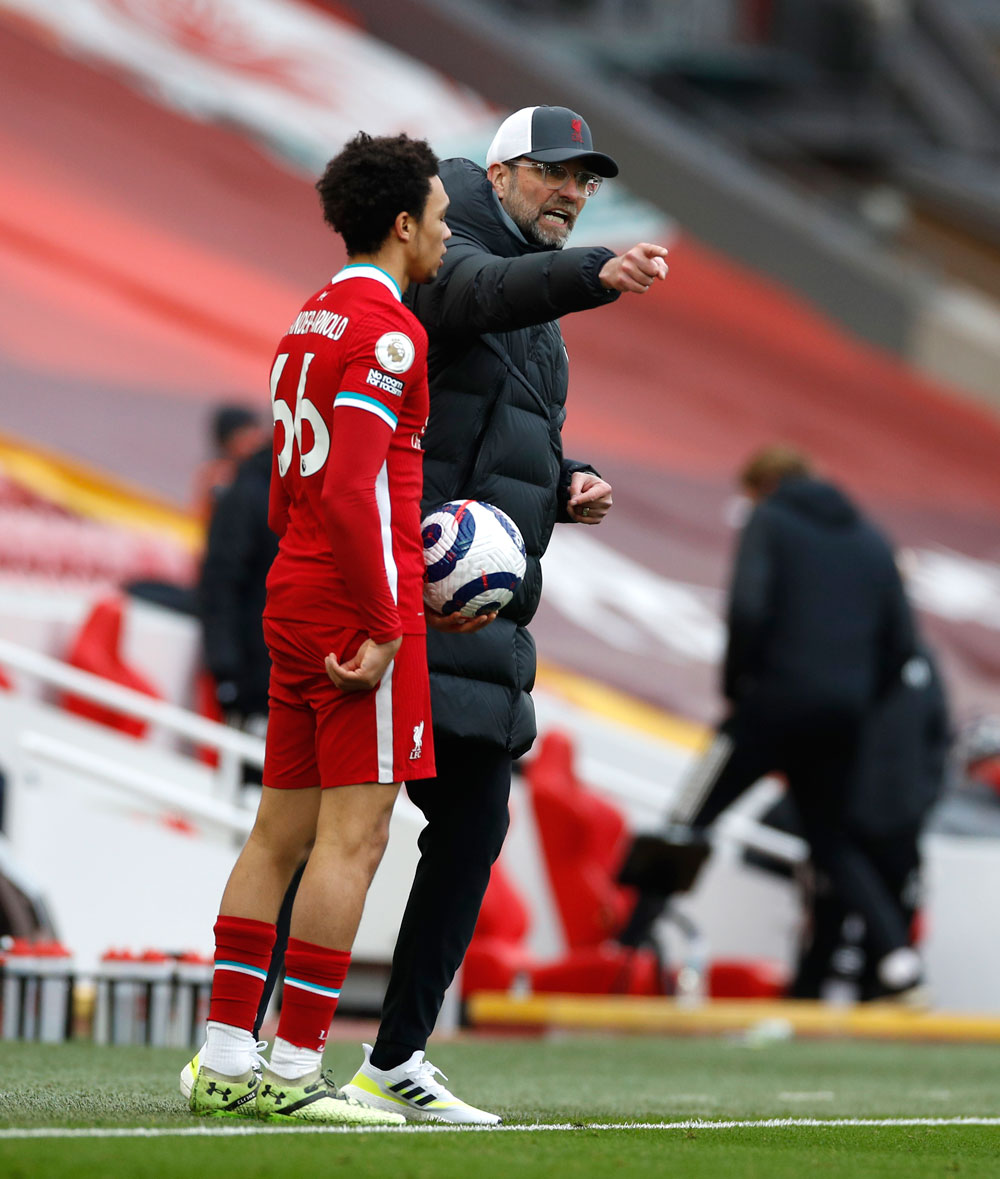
{"points": [[751, 978], [987, 771], [97, 649], [584, 839], [207, 705], [497, 955], [605, 969]]}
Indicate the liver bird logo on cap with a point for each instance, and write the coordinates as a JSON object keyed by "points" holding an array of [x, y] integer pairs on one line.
{"points": [[577, 133]]}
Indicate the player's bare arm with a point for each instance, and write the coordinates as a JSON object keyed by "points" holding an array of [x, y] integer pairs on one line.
{"points": [[590, 498], [636, 270]]}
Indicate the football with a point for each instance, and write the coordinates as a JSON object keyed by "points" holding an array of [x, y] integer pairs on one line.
{"points": [[474, 558]]}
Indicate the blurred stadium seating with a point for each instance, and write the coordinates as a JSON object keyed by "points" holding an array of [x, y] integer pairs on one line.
{"points": [[158, 229]]}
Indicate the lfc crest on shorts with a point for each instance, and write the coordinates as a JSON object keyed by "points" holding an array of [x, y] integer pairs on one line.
{"points": [[418, 741]]}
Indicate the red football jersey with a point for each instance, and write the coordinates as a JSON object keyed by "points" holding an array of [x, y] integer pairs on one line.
{"points": [[350, 402]]}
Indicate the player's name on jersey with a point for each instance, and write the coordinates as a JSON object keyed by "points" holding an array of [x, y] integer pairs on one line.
{"points": [[322, 323]]}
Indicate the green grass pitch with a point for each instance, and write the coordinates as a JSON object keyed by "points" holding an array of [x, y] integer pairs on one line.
{"points": [[566, 1102]]}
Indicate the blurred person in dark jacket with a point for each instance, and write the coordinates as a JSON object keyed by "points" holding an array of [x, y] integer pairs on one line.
{"points": [[231, 592], [900, 776], [236, 432], [819, 630]]}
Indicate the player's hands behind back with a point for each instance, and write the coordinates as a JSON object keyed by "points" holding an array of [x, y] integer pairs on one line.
{"points": [[363, 670]]}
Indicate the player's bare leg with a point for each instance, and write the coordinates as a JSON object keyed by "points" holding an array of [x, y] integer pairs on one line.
{"points": [[282, 832], [352, 831]]}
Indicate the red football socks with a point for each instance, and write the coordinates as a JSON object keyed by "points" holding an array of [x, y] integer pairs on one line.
{"points": [[313, 978], [242, 957]]}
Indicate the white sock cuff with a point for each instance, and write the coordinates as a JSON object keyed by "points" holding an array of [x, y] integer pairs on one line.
{"points": [[228, 1031], [228, 1050], [290, 1061]]}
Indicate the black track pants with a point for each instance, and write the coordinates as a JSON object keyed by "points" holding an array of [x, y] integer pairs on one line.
{"points": [[467, 819]]}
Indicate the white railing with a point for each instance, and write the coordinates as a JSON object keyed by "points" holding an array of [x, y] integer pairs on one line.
{"points": [[628, 788], [128, 780], [234, 748]]}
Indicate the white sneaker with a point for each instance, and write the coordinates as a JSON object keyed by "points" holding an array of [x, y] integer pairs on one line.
{"points": [[900, 970], [410, 1089]]}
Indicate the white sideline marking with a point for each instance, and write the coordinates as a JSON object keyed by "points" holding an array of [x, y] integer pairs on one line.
{"points": [[439, 1128]]}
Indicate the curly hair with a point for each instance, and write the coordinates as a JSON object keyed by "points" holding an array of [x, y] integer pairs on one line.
{"points": [[372, 181]]}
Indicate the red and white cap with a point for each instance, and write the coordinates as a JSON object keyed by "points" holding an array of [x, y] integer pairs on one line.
{"points": [[549, 134]]}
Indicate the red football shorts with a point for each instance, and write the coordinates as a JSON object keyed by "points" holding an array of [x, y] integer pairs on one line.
{"points": [[318, 735]]}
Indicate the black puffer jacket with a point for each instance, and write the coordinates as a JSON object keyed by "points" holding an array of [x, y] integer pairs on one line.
{"points": [[498, 376], [818, 620]]}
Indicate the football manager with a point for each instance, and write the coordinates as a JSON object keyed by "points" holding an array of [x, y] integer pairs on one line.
{"points": [[498, 373]]}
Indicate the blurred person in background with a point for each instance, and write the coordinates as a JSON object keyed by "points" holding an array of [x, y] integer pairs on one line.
{"points": [[819, 632], [901, 774], [349, 699], [236, 432], [239, 550]]}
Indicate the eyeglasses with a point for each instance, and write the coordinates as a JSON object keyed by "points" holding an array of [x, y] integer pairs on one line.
{"points": [[555, 176]]}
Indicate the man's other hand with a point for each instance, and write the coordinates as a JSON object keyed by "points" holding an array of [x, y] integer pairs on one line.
{"points": [[589, 498], [456, 624]]}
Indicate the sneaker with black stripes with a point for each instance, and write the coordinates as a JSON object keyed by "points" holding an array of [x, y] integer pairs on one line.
{"points": [[412, 1090], [315, 1098]]}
